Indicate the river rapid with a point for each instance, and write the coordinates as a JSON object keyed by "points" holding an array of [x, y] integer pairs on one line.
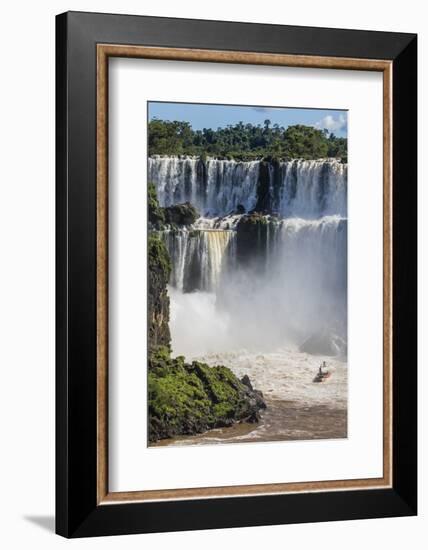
{"points": [[297, 408]]}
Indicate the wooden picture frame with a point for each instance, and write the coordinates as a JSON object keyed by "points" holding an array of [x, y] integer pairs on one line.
{"points": [[85, 42]]}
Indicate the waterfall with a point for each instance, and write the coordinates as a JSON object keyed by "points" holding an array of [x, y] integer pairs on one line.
{"points": [[284, 282], [296, 289], [197, 257], [297, 188], [310, 188], [314, 250], [215, 187]]}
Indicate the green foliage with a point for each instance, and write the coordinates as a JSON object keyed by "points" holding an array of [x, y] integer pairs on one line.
{"points": [[338, 147], [156, 212], [175, 395], [158, 299], [191, 398], [160, 357], [175, 215], [159, 260], [305, 142], [244, 141], [181, 214], [165, 137]]}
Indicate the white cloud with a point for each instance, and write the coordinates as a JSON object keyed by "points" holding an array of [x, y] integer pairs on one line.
{"points": [[333, 124]]}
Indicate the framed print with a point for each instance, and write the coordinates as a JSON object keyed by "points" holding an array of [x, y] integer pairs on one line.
{"points": [[236, 274]]}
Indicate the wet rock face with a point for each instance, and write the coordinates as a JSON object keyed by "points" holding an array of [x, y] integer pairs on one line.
{"points": [[189, 398], [184, 214], [325, 342], [156, 213], [158, 306], [251, 232], [181, 214], [263, 203]]}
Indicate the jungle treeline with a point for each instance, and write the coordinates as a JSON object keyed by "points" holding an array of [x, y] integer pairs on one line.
{"points": [[244, 141]]}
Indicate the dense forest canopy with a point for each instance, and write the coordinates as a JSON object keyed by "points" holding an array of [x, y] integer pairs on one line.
{"points": [[244, 141]]}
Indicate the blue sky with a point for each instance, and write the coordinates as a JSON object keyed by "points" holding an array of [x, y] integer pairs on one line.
{"points": [[214, 116]]}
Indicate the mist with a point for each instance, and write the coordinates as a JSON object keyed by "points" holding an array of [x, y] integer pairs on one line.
{"points": [[288, 287], [297, 291]]}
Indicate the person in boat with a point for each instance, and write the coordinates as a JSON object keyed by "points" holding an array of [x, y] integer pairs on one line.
{"points": [[320, 371]]}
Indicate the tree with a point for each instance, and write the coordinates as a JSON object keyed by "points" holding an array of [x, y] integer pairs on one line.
{"points": [[244, 141]]}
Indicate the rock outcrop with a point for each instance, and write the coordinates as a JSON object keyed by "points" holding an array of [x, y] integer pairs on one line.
{"points": [[155, 212], [177, 215], [325, 342], [251, 233], [181, 214], [190, 398]]}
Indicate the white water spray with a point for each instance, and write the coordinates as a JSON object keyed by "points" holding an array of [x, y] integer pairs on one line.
{"points": [[294, 289]]}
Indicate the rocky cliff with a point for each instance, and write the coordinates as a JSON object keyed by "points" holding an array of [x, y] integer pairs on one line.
{"points": [[158, 299], [185, 398]]}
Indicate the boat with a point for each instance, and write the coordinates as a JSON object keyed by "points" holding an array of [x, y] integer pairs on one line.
{"points": [[322, 375]]}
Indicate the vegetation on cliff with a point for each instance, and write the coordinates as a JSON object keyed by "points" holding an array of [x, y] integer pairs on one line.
{"points": [[158, 299], [186, 399], [156, 213], [245, 141], [179, 215]]}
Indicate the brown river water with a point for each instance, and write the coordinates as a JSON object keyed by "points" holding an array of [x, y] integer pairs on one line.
{"points": [[297, 408]]}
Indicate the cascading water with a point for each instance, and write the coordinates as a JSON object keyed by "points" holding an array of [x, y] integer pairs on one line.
{"points": [[259, 284], [215, 187], [295, 285], [297, 188], [197, 257], [283, 285], [309, 189]]}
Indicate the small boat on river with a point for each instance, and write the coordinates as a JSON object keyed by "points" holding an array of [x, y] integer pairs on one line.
{"points": [[322, 373]]}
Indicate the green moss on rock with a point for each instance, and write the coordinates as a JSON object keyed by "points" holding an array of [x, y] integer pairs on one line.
{"points": [[181, 214], [156, 213], [158, 306], [185, 398], [177, 215]]}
